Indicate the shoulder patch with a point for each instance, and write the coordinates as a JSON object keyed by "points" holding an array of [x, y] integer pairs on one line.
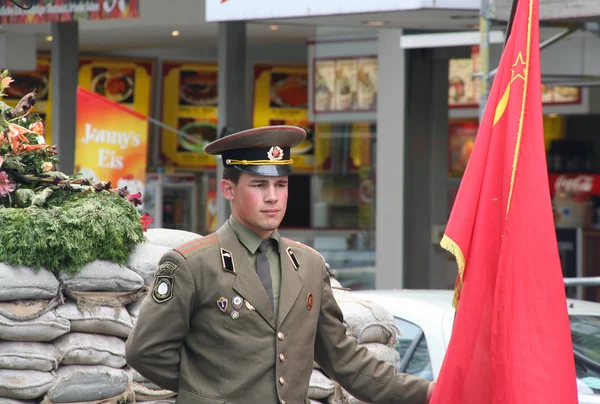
{"points": [[193, 247], [299, 244], [163, 288], [167, 266]]}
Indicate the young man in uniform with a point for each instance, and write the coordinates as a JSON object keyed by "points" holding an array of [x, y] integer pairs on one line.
{"points": [[239, 315]]}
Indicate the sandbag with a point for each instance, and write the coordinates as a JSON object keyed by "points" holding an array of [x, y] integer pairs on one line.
{"points": [[13, 401], [102, 320], [320, 386], [126, 397], [24, 283], [105, 276], [28, 356], [91, 300], [144, 393], [24, 310], [383, 353], [163, 401], [145, 390], [169, 237], [76, 348], [341, 396], [367, 321], [144, 260], [44, 328], [86, 383], [24, 384]]}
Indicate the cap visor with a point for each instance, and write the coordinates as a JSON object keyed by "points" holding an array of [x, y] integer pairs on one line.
{"points": [[268, 170]]}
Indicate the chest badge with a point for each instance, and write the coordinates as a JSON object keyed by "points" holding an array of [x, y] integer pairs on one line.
{"points": [[309, 301], [237, 303], [222, 303], [249, 305]]}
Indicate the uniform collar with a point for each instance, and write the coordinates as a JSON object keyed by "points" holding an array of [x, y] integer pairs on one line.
{"points": [[249, 238]]}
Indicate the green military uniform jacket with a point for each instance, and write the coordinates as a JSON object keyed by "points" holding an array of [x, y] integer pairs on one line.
{"points": [[188, 340]]}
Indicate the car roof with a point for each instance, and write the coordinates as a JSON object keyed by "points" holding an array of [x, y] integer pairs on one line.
{"points": [[430, 299], [440, 300]]}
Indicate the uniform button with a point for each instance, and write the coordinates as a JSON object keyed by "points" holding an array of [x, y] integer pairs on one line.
{"points": [[281, 357], [281, 381], [280, 336]]}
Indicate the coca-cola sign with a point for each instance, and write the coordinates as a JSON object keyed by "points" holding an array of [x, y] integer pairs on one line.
{"points": [[574, 183]]}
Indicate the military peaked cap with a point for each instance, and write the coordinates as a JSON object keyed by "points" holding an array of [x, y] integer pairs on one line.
{"points": [[261, 151]]}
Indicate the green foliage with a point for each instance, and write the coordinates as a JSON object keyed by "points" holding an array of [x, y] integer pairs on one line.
{"points": [[74, 229]]}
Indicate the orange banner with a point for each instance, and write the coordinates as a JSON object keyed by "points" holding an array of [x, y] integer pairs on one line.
{"points": [[112, 142]]}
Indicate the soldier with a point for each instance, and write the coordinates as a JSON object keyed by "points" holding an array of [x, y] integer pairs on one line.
{"points": [[239, 315]]}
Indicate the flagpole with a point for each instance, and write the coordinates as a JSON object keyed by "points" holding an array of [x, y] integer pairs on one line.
{"points": [[511, 18], [484, 49], [484, 55]]}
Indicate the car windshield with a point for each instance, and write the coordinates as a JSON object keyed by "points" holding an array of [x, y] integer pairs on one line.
{"points": [[585, 332]]}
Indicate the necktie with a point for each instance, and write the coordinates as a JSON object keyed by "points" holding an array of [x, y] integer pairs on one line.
{"points": [[263, 269]]}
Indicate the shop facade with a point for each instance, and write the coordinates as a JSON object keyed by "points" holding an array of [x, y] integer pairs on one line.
{"points": [[391, 115]]}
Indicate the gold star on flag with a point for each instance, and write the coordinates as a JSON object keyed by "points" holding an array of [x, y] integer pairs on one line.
{"points": [[518, 69]]}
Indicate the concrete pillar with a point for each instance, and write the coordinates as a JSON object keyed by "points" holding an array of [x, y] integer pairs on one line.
{"points": [[390, 161], [65, 74], [233, 114], [426, 169]]}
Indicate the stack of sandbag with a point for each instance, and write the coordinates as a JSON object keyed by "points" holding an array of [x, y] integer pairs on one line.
{"points": [[62, 337], [373, 327]]}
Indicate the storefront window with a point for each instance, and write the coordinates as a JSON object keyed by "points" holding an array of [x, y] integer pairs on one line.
{"points": [[343, 196]]}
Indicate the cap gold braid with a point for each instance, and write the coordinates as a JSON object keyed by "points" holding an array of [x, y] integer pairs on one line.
{"points": [[257, 162]]}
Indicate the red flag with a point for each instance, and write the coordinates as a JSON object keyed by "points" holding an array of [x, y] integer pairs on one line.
{"points": [[511, 342]]}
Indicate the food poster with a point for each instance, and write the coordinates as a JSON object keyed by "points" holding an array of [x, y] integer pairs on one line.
{"points": [[125, 82], [111, 142], [43, 11], [560, 95], [463, 87], [190, 101], [39, 82], [324, 85], [346, 83], [281, 98], [366, 94], [461, 139]]}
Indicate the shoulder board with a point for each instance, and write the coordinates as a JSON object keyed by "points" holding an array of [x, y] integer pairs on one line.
{"points": [[294, 243], [193, 247]]}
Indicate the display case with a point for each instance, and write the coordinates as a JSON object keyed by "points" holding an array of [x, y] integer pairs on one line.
{"points": [[172, 200]]}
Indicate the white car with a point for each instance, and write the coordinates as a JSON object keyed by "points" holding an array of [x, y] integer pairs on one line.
{"points": [[425, 318]]}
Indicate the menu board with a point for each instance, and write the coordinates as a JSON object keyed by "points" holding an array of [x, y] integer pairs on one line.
{"points": [[126, 82], [281, 98], [345, 84], [189, 104], [463, 87], [38, 81]]}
